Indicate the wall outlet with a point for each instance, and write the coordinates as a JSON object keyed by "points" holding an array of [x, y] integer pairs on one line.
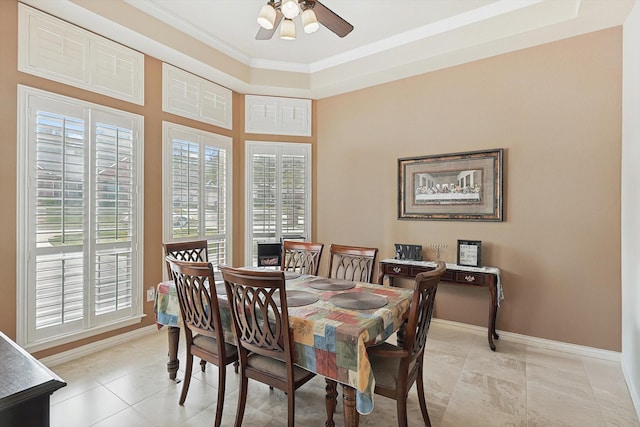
{"points": [[151, 294]]}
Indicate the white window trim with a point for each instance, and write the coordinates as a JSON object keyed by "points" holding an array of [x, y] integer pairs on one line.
{"points": [[23, 237], [167, 210], [278, 147]]}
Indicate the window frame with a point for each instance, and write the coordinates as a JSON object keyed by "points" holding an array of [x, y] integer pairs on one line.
{"points": [[92, 324], [279, 149], [217, 140]]}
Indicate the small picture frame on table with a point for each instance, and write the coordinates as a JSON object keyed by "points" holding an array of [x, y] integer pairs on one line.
{"points": [[470, 253]]}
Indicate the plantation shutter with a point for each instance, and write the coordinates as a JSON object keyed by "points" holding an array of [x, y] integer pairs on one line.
{"points": [[198, 185], [79, 270], [278, 193]]}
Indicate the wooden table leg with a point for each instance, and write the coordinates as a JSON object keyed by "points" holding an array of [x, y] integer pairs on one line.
{"points": [[173, 364], [332, 394], [351, 415], [493, 311]]}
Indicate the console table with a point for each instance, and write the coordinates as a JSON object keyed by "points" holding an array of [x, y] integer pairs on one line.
{"points": [[25, 388], [484, 277]]}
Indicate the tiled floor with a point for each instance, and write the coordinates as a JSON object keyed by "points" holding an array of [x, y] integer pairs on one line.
{"points": [[467, 385]]}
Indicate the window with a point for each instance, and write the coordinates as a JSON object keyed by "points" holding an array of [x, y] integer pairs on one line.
{"points": [[278, 193], [79, 220], [197, 182], [188, 95], [54, 49], [277, 116]]}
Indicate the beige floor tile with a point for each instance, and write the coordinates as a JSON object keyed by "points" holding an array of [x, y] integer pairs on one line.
{"points": [[87, 408], [554, 359], [163, 409], [441, 373], [127, 418], [466, 384], [140, 384], [558, 409], [508, 363], [444, 339], [480, 400], [610, 390]]}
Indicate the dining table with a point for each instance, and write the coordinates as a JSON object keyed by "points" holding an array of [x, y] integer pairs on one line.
{"points": [[333, 322]]}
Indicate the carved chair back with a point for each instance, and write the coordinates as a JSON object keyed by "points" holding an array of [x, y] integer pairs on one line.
{"points": [[352, 262], [302, 257]]}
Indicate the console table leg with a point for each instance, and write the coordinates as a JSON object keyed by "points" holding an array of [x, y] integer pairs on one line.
{"points": [[173, 364], [493, 311]]}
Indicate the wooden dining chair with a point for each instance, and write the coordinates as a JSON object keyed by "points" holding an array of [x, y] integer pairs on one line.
{"points": [[195, 251], [396, 368], [352, 262], [201, 323], [265, 342], [301, 257]]}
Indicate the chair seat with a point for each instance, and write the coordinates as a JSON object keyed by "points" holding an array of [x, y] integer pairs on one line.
{"points": [[386, 369], [209, 344], [276, 367]]}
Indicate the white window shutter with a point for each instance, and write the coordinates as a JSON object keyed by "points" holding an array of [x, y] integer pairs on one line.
{"points": [[116, 71], [197, 181], [262, 114], [278, 193], [188, 95], [57, 50], [54, 49], [277, 116], [80, 168]]}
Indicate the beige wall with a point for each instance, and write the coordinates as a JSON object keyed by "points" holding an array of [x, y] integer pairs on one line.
{"points": [[556, 110]]}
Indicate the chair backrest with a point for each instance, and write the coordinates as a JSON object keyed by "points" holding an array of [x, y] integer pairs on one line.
{"points": [[198, 306], [421, 311], [258, 304], [195, 251], [352, 262], [303, 257]]}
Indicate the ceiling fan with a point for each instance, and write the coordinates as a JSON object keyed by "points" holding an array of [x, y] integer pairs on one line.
{"points": [[314, 13]]}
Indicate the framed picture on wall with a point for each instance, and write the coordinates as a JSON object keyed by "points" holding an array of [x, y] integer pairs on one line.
{"points": [[470, 253], [460, 186]]}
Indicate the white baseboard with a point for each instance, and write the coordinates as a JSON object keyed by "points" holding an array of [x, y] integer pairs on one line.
{"points": [[578, 350], [632, 391], [85, 350]]}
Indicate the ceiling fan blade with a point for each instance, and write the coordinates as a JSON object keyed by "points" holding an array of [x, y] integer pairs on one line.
{"points": [[264, 34], [331, 20]]}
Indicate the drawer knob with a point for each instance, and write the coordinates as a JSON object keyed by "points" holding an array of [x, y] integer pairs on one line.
{"points": [[397, 269], [470, 278]]}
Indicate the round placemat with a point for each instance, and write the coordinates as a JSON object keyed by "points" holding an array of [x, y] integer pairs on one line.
{"points": [[289, 275], [297, 298], [358, 300], [331, 284]]}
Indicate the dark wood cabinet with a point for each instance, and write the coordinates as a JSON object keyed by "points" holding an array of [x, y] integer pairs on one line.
{"points": [[457, 275], [25, 387]]}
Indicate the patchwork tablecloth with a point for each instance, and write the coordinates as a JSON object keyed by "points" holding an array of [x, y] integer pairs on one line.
{"points": [[329, 340]]}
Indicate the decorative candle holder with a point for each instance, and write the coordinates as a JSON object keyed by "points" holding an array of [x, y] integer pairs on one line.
{"points": [[438, 248]]}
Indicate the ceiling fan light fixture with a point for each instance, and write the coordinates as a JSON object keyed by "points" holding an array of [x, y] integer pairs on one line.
{"points": [[267, 17], [310, 21], [287, 30], [290, 8]]}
